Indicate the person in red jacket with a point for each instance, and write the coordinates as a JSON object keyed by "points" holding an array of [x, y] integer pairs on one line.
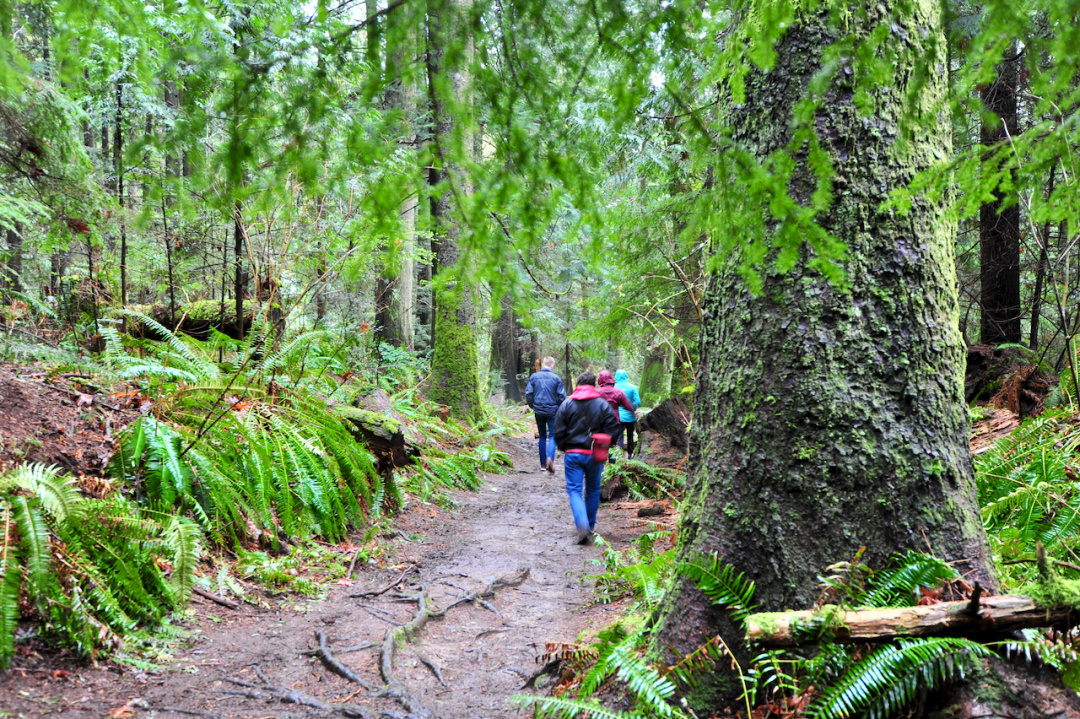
{"points": [[614, 397], [580, 418]]}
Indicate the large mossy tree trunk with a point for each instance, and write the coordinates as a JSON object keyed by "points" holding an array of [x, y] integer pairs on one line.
{"points": [[829, 417], [455, 374]]}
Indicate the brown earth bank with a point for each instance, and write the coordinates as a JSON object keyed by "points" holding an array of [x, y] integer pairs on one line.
{"points": [[484, 652]]}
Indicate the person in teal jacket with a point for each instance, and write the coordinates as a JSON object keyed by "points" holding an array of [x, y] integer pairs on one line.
{"points": [[628, 419]]}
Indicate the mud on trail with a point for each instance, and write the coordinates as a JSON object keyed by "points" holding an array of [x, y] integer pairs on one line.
{"points": [[467, 662]]}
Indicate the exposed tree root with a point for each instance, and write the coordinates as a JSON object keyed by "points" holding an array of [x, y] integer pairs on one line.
{"points": [[489, 590], [394, 686], [327, 658], [430, 664], [376, 592], [291, 696]]}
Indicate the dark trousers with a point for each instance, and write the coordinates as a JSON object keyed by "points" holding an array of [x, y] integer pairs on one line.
{"points": [[627, 437], [545, 426]]}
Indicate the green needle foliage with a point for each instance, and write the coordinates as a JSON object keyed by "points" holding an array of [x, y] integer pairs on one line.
{"points": [[89, 570]]}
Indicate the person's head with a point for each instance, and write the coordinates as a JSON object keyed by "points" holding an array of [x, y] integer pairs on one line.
{"points": [[604, 378], [585, 377], [549, 362]]}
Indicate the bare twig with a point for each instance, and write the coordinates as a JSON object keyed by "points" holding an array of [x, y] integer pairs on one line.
{"points": [[352, 564], [215, 599]]}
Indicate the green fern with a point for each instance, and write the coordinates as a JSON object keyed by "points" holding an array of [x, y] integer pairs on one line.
{"points": [[893, 676], [107, 551], [721, 583], [563, 708]]}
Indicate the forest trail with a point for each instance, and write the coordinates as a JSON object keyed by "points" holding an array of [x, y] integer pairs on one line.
{"points": [[516, 521]]}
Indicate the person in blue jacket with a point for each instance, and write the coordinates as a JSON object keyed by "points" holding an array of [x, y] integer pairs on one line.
{"points": [[544, 393], [628, 419]]}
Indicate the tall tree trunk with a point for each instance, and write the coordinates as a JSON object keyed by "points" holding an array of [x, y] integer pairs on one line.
{"points": [[395, 288], [238, 267], [455, 378], [505, 352], [13, 265], [118, 164], [829, 417], [1040, 273], [999, 226]]}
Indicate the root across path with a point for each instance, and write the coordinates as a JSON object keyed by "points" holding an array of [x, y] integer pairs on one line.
{"points": [[450, 627]]}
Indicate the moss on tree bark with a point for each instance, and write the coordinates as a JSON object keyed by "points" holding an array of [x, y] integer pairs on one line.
{"points": [[828, 418]]}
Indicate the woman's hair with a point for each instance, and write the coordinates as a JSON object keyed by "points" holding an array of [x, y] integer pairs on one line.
{"points": [[586, 377]]}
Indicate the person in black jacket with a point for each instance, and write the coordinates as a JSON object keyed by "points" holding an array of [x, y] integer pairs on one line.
{"points": [[544, 393], [584, 414]]}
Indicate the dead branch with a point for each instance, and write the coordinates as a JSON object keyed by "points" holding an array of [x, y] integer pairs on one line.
{"points": [[352, 564], [215, 599], [995, 614]]}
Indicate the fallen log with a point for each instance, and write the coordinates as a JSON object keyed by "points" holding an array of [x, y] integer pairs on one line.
{"points": [[669, 419], [994, 614], [383, 435]]}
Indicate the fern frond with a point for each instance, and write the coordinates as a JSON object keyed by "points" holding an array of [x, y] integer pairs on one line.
{"points": [[58, 496], [721, 583], [9, 586], [202, 367], [183, 538], [893, 676], [34, 540], [562, 708], [898, 585], [643, 681]]}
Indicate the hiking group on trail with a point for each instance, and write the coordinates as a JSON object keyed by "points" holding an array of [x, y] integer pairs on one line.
{"points": [[584, 425]]}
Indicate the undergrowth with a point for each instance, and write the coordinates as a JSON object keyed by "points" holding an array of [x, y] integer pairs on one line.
{"points": [[88, 570], [236, 446]]}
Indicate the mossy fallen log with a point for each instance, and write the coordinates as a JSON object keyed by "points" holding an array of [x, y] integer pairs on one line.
{"points": [[198, 318], [383, 435], [993, 614]]}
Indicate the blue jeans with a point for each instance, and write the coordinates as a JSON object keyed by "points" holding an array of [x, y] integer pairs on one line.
{"points": [[581, 470], [546, 426]]}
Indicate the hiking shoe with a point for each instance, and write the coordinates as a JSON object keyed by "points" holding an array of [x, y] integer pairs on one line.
{"points": [[550, 466], [583, 536]]}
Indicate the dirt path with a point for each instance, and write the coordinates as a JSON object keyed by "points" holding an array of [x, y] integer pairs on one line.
{"points": [[517, 521]]}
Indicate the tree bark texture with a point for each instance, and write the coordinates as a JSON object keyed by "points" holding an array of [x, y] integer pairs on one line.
{"points": [[455, 377], [506, 350], [827, 417], [999, 226]]}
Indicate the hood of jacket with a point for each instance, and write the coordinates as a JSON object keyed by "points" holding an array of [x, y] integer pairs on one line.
{"points": [[621, 376], [604, 378], [585, 391]]}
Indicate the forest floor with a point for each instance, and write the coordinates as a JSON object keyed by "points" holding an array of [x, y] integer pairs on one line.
{"points": [[517, 521]]}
